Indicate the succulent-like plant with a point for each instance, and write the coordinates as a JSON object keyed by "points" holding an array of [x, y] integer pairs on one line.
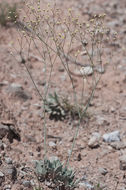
{"points": [[56, 175], [54, 107], [59, 108]]}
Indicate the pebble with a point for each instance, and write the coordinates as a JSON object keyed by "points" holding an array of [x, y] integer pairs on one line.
{"points": [[122, 160], [4, 83], [2, 178], [3, 130], [112, 109], [8, 160], [1, 175], [11, 133], [26, 183], [103, 171], [88, 70], [112, 137], [42, 83], [15, 87], [22, 174], [100, 69], [52, 144], [83, 53], [61, 69], [86, 185], [94, 140], [10, 171], [37, 106], [7, 187], [18, 91], [100, 120], [118, 145]]}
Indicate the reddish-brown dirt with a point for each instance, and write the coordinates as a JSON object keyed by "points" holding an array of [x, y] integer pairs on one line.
{"points": [[107, 110]]}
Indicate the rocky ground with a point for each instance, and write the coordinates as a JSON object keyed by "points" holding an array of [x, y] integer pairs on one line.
{"points": [[99, 156]]}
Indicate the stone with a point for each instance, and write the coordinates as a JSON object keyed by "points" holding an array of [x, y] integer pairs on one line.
{"points": [[83, 53], [100, 69], [61, 69], [86, 185], [7, 187], [17, 91], [118, 145], [38, 106], [122, 161], [103, 171], [4, 83], [10, 171], [41, 83], [52, 144], [100, 120], [15, 87], [26, 183], [32, 182], [2, 177], [88, 70], [94, 140], [112, 109], [111, 137], [9, 131], [8, 160], [4, 129]]}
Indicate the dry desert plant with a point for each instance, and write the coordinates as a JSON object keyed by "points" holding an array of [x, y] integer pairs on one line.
{"points": [[74, 44]]}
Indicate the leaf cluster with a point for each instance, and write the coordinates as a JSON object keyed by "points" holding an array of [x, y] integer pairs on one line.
{"points": [[61, 108], [54, 107], [57, 176]]}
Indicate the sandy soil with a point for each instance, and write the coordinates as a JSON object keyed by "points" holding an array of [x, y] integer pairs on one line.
{"points": [[107, 111]]}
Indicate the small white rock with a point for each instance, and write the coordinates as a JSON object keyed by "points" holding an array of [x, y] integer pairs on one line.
{"points": [[100, 69], [112, 137], [1, 175], [94, 140], [88, 70], [103, 171], [7, 187], [52, 144], [15, 87], [83, 53], [86, 185]]}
